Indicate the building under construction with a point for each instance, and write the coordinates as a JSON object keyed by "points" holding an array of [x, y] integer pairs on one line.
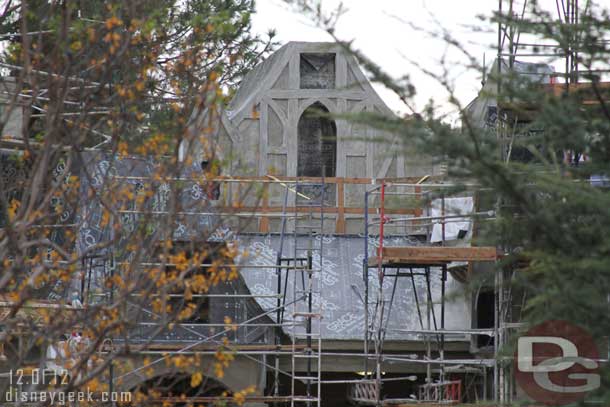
{"points": [[356, 262]]}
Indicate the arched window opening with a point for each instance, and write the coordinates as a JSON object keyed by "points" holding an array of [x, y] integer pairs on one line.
{"points": [[317, 138], [317, 147]]}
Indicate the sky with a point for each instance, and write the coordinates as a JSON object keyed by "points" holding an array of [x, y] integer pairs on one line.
{"points": [[382, 30]]}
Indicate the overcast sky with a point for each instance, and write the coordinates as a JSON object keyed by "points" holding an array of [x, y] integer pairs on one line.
{"points": [[377, 30]]}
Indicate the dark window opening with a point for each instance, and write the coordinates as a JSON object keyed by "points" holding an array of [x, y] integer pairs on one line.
{"points": [[485, 313], [521, 136], [523, 141], [317, 150], [317, 139], [317, 71]]}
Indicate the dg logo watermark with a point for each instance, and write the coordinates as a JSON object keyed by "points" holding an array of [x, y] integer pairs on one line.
{"points": [[556, 363]]}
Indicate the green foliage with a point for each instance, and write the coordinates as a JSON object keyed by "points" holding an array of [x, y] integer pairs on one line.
{"points": [[551, 220]]}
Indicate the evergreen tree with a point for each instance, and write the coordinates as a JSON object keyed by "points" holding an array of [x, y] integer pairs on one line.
{"points": [[543, 162]]}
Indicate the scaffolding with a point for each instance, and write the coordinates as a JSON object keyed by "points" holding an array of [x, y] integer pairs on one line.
{"points": [[409, 262], [302, 269], [296, 267], [564, 50], [511, 16]]}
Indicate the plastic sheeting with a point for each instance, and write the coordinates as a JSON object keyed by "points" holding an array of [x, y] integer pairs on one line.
{"points": [[455, 228], [341, 286]]}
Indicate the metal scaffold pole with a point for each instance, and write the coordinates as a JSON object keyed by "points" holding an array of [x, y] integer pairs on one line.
{"points": [[435, 361], [365, 277], [308, 241], [279, 313]]}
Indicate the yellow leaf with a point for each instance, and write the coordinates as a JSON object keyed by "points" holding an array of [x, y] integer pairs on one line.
{"points": [[76, 46], [196, 379], [12, 209]]}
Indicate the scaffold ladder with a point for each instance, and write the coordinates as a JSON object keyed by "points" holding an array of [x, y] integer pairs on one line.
{"points": [[308, 252]]}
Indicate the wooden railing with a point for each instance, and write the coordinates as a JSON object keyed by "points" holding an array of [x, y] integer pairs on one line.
{"points": [[339, 209]]}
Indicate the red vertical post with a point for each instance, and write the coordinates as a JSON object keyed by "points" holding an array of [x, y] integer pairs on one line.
{"points": [[382, 214], [381, 224]]}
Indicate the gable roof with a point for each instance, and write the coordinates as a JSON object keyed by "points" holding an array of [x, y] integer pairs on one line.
{"points": [[264, 76]]}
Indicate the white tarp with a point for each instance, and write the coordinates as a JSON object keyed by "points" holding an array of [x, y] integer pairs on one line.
{"points": [[453, 226]]}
